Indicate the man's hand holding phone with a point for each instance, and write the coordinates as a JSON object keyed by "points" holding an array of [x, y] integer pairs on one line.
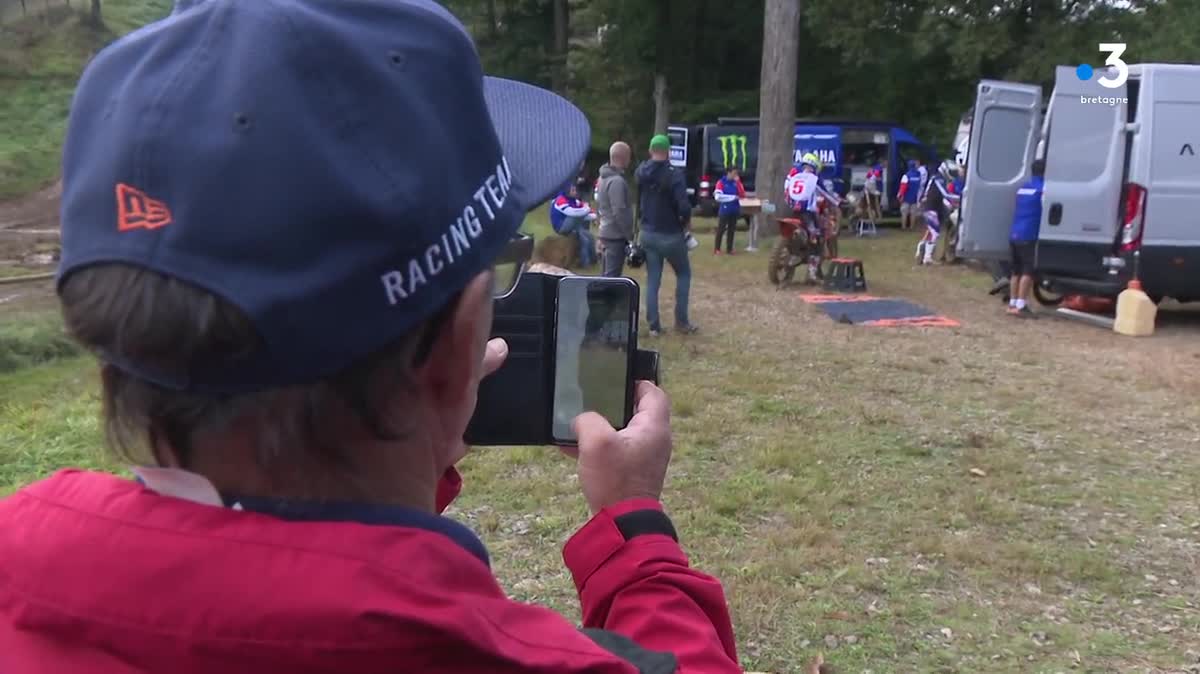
{"points": [[571, 347], [614, 465]]}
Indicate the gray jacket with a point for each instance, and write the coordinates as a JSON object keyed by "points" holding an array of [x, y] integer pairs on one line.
{"points": [[612, 200]]}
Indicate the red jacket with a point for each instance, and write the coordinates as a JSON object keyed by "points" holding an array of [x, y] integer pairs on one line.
{"points": [[100, 574]]}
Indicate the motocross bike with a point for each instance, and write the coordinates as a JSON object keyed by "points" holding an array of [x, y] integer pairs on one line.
{"points": [[801, 241]]}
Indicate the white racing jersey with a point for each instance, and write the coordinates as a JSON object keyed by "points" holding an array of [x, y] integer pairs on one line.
{"points": [[803, 189]]}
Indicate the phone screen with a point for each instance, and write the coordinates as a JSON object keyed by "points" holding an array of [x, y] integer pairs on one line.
{"points": [[595, 321]]}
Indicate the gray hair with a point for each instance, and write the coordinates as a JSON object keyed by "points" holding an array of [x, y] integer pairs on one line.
{"points": [[619, 151]]}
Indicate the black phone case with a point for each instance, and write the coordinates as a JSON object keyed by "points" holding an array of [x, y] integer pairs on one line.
{"points": [[515, 401]]}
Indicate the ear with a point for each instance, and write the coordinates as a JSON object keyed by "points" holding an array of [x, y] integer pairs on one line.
{"points": [[451, 373]]}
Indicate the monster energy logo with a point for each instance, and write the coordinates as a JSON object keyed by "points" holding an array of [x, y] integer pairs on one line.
{"points": [[733, 147]]}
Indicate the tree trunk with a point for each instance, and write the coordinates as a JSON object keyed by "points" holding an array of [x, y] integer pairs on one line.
{"points": [[662, 107], [562, 27], [777, 105], [493, 27], [697, 64]]}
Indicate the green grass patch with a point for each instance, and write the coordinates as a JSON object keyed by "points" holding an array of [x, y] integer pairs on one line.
{"points": [[49, 420], [32, 339]]}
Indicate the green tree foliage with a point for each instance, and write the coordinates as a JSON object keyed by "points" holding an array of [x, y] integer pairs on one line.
{"points": [[913, 61]]}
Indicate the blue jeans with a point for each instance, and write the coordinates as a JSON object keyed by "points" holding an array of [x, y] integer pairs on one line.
{"points": [[587, 245], [671, 248]]}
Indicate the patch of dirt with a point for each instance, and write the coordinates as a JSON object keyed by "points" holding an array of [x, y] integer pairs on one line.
{"points": [[36, 211], [30, 241]]}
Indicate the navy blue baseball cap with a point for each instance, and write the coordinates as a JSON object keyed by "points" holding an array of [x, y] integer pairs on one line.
{"points": [[339, 170]]}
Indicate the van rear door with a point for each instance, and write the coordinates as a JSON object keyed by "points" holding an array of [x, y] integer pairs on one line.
{"points": [[1004, 133], [1171, 170], [1085, 172]]}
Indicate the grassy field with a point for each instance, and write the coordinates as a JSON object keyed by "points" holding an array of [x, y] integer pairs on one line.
{"points": [[1008, 496], [40, 61]]}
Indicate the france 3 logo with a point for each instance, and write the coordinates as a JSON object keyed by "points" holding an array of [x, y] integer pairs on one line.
{"points": [[1114, 50]]}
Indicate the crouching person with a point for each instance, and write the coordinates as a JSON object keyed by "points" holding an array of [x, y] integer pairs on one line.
{"points": [[570, 215], [295, 412]]}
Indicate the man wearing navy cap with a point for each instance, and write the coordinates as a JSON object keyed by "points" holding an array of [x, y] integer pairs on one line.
{"points": [[292, 324]]}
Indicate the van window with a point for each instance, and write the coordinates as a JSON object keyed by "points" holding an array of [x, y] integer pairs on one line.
{"points": [[677, 137], [1081, 140], [1002, 132], [863, 154]]}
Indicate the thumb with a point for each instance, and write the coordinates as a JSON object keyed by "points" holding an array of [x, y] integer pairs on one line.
{"points": [[591, 427], [494, 355]]}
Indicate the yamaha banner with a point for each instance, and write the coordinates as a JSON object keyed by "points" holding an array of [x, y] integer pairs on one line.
{"points": [[823, 141]]}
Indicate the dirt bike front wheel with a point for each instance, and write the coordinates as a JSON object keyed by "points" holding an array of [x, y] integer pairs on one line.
{"points": [[779, 271]]}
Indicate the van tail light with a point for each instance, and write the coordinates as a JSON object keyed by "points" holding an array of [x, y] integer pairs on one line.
{"points": [[1135, 215], [705, 184]]}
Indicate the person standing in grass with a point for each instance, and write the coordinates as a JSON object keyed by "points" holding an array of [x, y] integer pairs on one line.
{"points": [[909, 195], [666, 224], [873, 189], [1023, 236], [728, 192], [616, 210]]}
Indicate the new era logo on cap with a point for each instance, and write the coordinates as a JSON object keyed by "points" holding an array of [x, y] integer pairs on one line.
{"points": [[136, 210]]}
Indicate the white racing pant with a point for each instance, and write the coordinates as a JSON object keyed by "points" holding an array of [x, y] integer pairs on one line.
{"points": [[933, 228]]}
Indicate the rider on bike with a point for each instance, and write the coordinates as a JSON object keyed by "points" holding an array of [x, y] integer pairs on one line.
{"points": [[804, 190]]}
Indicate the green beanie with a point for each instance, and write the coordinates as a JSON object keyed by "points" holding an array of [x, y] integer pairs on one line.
{"points": [[660, 142]]}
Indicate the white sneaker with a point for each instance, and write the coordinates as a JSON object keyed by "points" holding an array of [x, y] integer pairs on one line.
{"points": [[751, 249]]}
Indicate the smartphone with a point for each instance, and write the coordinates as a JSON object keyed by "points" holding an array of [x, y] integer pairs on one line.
{"points": [[572, 348], [595, 333]]}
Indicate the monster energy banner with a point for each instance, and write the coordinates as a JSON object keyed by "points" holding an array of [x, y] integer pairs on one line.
{"points": [[735, 147], [733, 151]]}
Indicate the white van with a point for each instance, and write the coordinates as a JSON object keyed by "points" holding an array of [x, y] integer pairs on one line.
{"points": [[1122, 183]]}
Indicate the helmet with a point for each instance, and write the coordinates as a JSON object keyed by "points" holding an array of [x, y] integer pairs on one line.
{"points": [[948, 168], [811, 160]]}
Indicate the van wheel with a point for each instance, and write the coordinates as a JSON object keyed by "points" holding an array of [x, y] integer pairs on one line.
{"points": [[1047, 297]]}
